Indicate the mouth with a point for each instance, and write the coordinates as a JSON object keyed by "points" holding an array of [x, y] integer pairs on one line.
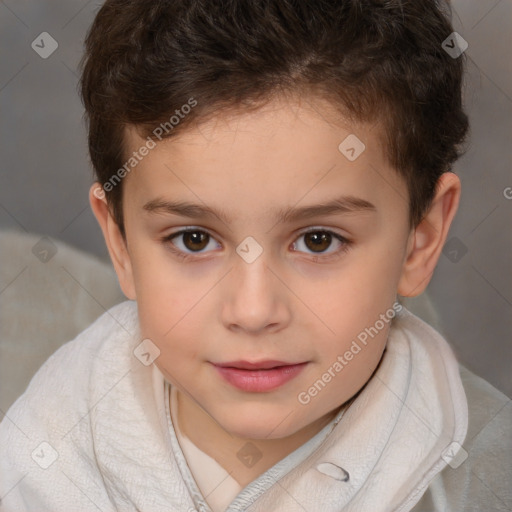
{"points": [[260, 376]]}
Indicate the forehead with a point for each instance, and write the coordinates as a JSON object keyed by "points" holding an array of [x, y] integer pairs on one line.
{"points": [[288, 150], [285, 119]]}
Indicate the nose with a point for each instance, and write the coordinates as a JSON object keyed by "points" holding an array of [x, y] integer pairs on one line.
{"points": [[255, 298]]}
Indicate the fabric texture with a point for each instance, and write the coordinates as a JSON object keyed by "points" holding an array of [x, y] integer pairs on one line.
{"points": [[93, 431]]}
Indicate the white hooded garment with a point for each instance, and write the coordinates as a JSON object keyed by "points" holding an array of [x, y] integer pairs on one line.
{"points": [[93, 431]]}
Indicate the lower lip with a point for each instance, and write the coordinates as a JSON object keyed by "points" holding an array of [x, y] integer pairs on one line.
{"points": [[260, 380]]}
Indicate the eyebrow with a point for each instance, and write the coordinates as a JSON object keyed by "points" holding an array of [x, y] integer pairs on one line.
{"points": [[340, 205]]}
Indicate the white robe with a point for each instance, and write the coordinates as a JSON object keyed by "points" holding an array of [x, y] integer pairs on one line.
{"points": [[93, 431]]}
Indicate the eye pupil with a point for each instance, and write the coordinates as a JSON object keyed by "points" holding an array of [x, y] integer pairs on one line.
{"points": [[194, 238], [320, 240]]}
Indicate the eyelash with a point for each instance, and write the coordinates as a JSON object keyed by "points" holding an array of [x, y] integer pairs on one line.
{"points": [[345, 243]]}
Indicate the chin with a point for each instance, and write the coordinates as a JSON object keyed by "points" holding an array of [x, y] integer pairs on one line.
{"points": [[257, 425]]}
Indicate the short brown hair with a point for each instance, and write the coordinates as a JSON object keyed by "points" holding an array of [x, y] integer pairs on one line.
{"points": [[375, 59]]}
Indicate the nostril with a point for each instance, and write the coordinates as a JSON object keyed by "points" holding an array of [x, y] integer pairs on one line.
{"points": [[334, 471]]}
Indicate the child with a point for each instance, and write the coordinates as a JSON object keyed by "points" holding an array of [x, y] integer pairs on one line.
{"points": [[271, 176]]}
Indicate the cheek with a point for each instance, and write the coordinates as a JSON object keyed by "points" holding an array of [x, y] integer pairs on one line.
{"points": [[167, 318], [362, 289], [166, 297], [350, 307], [379, 268]]}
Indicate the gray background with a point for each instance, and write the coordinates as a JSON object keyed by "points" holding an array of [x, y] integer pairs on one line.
{"points": [[45, 172]]}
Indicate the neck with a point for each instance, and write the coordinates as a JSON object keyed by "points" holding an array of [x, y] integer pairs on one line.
{"points": [[228, 450]]}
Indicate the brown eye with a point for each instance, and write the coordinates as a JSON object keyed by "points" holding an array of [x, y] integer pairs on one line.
{"points": [[318, 241], [189, 242], [323, 242], [195, 240]]}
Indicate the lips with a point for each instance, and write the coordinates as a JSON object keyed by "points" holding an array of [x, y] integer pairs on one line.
{"points": [[258, 376], [246, 365]]}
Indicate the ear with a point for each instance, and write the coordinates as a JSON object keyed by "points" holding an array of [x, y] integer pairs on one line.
{"points": [[116, 244], [427, 240]]}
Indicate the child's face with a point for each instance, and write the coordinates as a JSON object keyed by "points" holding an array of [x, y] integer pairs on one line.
{"points": [[303, 300]]}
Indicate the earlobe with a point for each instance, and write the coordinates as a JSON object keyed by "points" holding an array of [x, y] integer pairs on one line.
{"points": [[427, 240], [116, 244]]}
